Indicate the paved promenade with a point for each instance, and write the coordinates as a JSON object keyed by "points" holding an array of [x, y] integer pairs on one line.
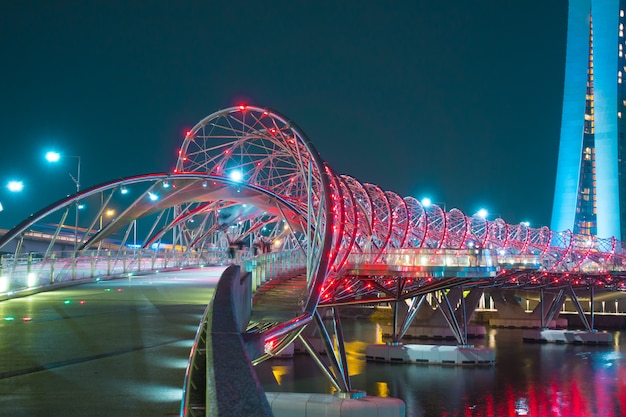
{"points": [[109, 348]]}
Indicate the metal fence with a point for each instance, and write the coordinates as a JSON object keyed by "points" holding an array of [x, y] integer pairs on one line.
{"points": [[33, 271], [271, 265]]}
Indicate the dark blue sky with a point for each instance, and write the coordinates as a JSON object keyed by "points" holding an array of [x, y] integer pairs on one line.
{"points": [[456, 100]]}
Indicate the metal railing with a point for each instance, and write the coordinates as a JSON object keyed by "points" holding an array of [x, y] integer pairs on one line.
{"points": [[271, 265], [421, 257], [33, 271]]}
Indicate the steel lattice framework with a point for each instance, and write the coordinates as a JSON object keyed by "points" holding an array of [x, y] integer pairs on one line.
{"points": [[349, 218], [249, 174]]}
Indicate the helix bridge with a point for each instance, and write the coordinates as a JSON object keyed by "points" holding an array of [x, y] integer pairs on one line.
{"points": [[248, 178]]}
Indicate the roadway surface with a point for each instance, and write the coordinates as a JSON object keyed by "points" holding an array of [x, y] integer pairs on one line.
{"points": [[108, 348]]}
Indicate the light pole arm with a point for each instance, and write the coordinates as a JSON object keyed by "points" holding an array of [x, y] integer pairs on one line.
{"points": [[77, 178]]}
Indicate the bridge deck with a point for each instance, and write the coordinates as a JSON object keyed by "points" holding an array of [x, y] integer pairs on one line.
{"points": [[115, 348]]}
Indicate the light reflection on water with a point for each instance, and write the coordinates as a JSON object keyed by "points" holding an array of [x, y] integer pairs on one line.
{"points": [[538, 380]]}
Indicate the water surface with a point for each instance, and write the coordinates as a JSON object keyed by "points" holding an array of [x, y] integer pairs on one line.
{"points": [[539, 380]]}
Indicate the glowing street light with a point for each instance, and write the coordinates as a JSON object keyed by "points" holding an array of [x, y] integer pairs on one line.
{"points": [[108, 213], [482, 213], [236, 175], [427, 202], [52, 156], [15, 186]]}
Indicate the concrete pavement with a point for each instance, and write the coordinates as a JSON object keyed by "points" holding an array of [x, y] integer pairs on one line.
{"points": [[108, 348]]}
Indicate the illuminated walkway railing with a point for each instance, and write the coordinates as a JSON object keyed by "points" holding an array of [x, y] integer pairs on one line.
{"points": [[420, 257], [33, 271], [271, 265]]}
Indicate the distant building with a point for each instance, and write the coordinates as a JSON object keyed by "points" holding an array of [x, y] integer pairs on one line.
{"points": [[590, 192]]}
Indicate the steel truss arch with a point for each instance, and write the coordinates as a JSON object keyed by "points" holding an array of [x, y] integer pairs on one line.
{"points": [[250, 174]]}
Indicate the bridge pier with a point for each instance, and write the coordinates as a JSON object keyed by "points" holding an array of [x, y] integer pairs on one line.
{"points": [[453, 307], [512, 315], [422, 321], [587, 336]]}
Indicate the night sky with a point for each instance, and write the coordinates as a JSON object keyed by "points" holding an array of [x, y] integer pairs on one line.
{"points": [[456, 100]]}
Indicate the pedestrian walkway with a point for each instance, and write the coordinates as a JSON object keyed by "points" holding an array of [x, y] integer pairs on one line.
{"points": [[108, 348]]}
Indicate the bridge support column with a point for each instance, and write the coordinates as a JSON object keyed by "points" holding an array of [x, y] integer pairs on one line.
{"points": [[587, 336], [591, 307], [579, 309], [52, 269], [554, 308], [456, 318], [73, 266], [511, 314], [414, 307], [460, 331], [337, 360]]}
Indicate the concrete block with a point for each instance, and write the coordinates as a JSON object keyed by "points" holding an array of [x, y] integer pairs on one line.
{"points": [[430, 354], [567, 336], [327, 405], [323, 405], [289, 404]]}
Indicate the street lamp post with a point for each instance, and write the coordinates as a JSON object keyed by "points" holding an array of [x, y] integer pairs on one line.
{"points": [[55, 157]]}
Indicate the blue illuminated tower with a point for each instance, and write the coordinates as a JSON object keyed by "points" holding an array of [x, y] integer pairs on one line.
{"points": [[590, 192]]}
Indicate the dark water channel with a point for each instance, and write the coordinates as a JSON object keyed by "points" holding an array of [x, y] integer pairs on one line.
{"points": [[539, 380]]}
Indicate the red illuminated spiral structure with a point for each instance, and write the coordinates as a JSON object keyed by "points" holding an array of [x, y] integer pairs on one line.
{"points": [[249, 175], [348, 219]]}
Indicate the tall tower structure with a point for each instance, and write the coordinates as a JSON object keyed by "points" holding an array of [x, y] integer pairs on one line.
{"points": [[590, 192]]}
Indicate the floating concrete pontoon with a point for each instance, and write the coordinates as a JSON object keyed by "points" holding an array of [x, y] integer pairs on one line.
{"points": [[580, 337], [326, 405], [430, 354]]}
